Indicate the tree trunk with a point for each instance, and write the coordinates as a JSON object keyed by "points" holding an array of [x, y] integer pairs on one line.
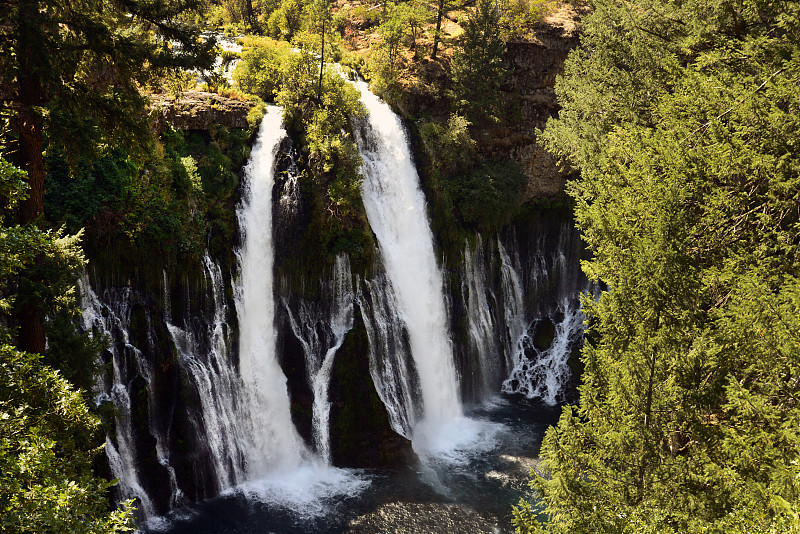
{"points": [[439, 14], [321, 62], [249, 10], [31, 332], [28, 124]]}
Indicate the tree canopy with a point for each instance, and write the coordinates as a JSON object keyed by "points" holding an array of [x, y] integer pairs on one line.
{"points": [[682, 119]]}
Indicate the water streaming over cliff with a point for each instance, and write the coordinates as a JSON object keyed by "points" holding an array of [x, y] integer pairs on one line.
{"points": [[272, 439], [200, 411], [396, 211], [321, 328]]}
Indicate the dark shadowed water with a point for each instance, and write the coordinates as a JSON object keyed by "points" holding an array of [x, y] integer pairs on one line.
{"points": [[470, 491]]}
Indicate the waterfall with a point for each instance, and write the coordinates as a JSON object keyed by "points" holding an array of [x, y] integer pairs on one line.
{"points": [[394, 376], [396, 212], [541, 372], [484, 343], [321, 331], [272, 440], [205, 356], [120, 447]]}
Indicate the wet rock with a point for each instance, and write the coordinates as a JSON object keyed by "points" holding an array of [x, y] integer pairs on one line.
{"points": [[415, 518]]}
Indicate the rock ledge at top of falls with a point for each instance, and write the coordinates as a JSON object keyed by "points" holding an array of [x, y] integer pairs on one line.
{"points": [[198, 110]]}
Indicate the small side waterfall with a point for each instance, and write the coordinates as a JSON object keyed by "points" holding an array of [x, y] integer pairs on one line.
{"points": [[538, 347], [321, 331], [485, 343], [273, 441], [120, 446], [394, 375], [396, 211], [205, 358]]}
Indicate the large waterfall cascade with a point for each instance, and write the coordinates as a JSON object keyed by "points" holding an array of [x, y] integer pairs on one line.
{"points": [[273, 439], [243, 423], [396, 212]]}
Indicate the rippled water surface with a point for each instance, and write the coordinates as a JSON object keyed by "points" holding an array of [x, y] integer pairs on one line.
{"points": [[469, 489]]}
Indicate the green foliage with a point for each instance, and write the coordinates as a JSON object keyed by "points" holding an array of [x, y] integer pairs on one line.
{"points": [[489, 196], [516, 17], [260, 70], [322, 122], [402, 25], [478, 68], [89, 59], [48, 438], [448, 146], [318, 112], [286, 20], [46, 481], [682, 119], [164, 206]]}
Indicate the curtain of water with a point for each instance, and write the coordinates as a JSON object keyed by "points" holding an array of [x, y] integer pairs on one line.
{"points": [[396, 211], [272, 440]]}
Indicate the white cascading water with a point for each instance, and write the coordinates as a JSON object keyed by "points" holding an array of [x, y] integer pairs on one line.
{"points": [[396, 212], [483, 341], [341, 323], [514, 305], [205, 358], [279, 467], [544, 376], [392, 373], [273, 441], [334, 321], [105, 320]]}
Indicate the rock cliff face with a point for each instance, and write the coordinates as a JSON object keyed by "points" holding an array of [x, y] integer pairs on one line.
{"points": [[534, 66], [197, 110]]}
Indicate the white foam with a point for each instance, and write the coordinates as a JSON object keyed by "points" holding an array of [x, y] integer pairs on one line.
{"points": [[308, 491]]}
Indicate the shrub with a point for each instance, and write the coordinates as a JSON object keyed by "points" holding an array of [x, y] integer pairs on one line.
{"points": [[260, 70], [490, 195]]}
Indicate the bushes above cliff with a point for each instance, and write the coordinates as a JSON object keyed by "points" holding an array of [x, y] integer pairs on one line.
{"points": [[318, 106], [166, 203]]}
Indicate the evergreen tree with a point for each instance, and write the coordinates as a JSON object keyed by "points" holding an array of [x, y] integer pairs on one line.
{"points": [[478, 67], [71, 67], [682, 120]]}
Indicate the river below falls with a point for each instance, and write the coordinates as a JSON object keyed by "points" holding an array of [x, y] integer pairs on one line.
{"points": [[470, 490]]}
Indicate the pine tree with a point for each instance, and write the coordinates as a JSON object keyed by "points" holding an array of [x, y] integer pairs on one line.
{"points": [[682, 120], [478, 66]]}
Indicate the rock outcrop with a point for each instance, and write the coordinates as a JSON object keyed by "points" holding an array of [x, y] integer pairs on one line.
{"points": [[198, 110], [534, 66]]}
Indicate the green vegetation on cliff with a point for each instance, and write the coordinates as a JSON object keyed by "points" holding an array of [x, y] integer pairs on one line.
{"points": [[48, 438], [682, 119]]}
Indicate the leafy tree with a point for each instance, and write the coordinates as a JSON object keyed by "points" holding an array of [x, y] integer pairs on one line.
{"points": [[260, 70], [48, 438], [448, 145], [682, 119], [286, 20], [478, 67], [72, 67]]}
